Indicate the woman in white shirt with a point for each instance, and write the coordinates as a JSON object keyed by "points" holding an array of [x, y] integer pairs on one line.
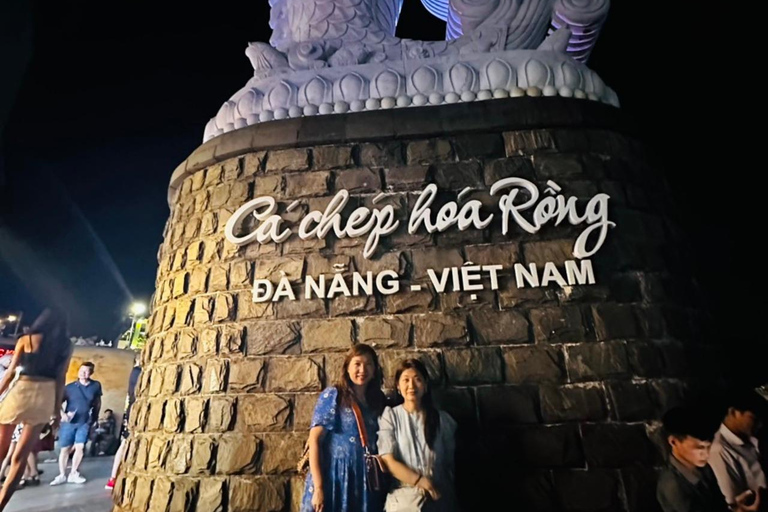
{"points": [[416, 442]]}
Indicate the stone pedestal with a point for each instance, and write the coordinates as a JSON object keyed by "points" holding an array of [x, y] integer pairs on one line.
{"points": [[556, 389]]}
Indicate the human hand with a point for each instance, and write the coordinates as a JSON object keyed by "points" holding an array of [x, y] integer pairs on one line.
{"points": [[748, 501], [427, 485], [318, 499]]}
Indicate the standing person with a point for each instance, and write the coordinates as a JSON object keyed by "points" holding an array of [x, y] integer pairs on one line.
{"points": [[336, 481], [688, 484], [133, 379], [34, 384], [83, 402], [417, 444], [735, 455]]}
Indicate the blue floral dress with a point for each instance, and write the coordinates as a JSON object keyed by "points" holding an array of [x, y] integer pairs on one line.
{"points": [[341, 458]]}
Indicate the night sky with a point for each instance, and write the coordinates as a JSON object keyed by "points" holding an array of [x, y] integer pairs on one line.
{"points": [[100, 101]]}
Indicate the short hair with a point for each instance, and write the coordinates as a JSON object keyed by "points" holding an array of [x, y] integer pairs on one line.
{"points": [[682, 422], [747, 400], [109, 410], [89, 365]]}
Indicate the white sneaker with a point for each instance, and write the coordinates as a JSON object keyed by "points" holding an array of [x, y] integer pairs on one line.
{"points": [[61, 479], [75, 478]]}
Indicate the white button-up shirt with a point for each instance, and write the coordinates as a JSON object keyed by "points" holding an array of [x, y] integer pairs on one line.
{"points": [[736, 464]]}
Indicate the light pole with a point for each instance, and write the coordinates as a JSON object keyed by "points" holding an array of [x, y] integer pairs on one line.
{"points": [[137, 309], [17, 319]]}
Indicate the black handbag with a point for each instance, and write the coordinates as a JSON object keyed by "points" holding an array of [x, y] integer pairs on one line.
{"points": [[377, 476]]}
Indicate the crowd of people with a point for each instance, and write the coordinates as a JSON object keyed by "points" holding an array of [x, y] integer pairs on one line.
{"points": [[37, 407], [366, 452]]}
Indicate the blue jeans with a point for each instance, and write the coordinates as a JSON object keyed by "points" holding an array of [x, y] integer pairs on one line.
{"points": [[73, 433]]}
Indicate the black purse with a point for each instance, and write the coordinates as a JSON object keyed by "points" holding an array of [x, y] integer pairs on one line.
{"points": [[377, 476]]}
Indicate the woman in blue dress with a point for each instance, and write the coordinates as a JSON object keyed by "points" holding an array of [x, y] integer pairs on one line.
{"points": [[336, 481]]}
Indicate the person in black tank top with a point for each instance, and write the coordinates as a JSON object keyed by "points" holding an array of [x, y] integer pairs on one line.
{"points": [[31, 390]]}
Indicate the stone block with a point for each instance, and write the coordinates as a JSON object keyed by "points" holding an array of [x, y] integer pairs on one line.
{"points": [[237, 454], [615, 321], [631, 401], [436, 259], [263, 338], [411, 177], [191, 379], [221, 413], [494, 327], [617, 446], [303, 410], [555, 251], [384, 332], [180, 457], [534, 365], [597, 361], [438, 329], [327, 335], [247, 375], [569, 403], [558, 325], [295, 374], [203, 455], [479, 145], [429, 151], [342, 306], [257, 495], [262, 413], [410, 302], [457, 175], [550, 446], [358, 180], [505, 255], [557, 166], [211, 495], [184, 494], [281, 451], [300, 308], [473, 366], [307, 184], [526, 142], [332, 157], [195, 414], [384, 154], [215, 377], [503, 406], [517, 167], [288, 160]]}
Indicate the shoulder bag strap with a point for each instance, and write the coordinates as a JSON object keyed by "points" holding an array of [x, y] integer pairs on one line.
{"points": [[360, 425]]}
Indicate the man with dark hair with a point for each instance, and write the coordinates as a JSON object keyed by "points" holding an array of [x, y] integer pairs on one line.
{"points": [[83, 402], [735, 456], [688, 484]]}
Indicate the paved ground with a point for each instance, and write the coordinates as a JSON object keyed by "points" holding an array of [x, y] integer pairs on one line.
{"points": [[88, 497]]}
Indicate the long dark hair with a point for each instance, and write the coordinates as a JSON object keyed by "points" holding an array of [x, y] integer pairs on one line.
{"points": [[373, 394], [53, 325], [431, 414]]}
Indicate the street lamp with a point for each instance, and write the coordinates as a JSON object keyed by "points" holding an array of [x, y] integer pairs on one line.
{"points": [[138, 308], [16, 319]]}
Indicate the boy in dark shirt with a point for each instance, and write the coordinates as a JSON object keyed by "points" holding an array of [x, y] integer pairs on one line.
{"points": [[688, 484]]}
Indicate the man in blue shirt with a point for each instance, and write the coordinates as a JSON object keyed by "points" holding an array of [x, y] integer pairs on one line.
{"points": [[83, 402]]}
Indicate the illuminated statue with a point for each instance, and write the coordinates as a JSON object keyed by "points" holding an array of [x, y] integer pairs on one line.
{"points": [[335, 56]]}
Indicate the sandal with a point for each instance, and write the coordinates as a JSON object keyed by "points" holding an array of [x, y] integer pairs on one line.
{"points": [[33, 482], [22, 484]]}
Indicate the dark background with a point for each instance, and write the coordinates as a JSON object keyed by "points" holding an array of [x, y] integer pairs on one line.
{"points": [[100, 101]]}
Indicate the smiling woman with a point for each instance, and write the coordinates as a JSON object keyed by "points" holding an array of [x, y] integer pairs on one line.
{"points": [[337, 479]]}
